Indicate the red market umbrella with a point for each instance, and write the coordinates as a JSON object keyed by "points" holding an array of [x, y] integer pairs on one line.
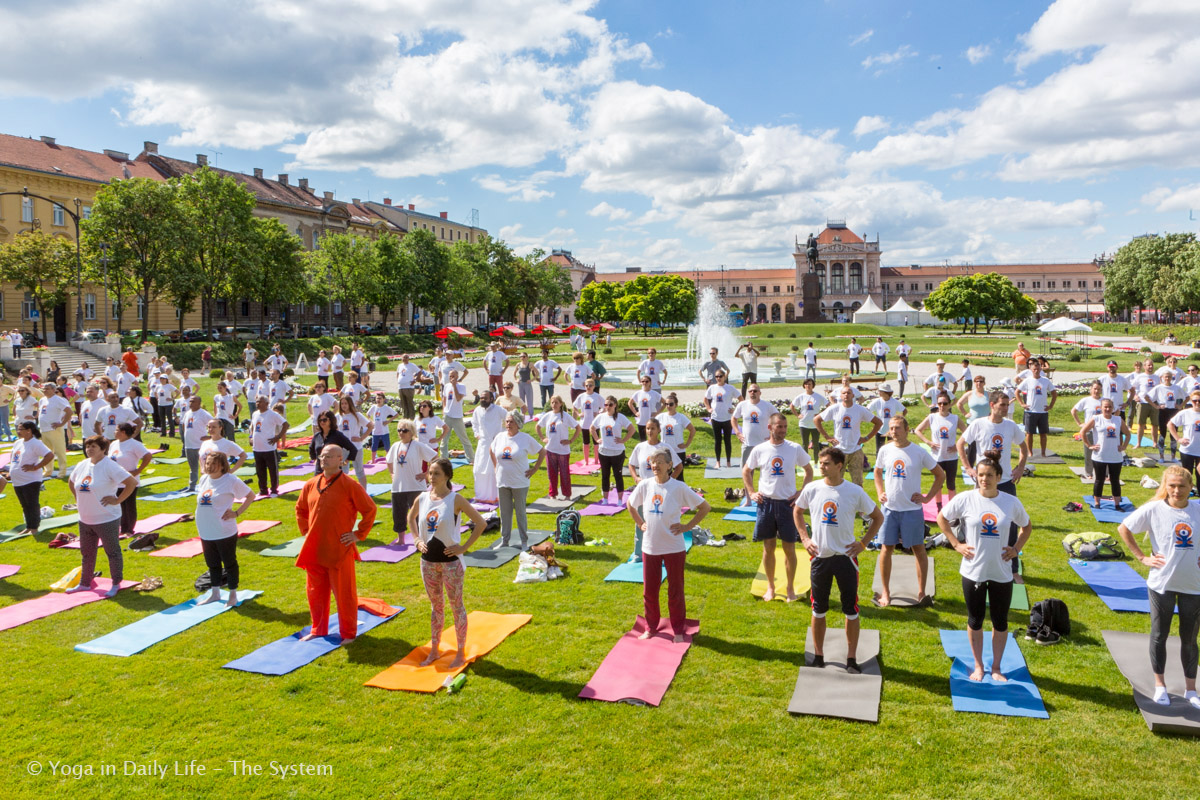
{"points": [[604, 326], [453, 329], [546, 329], [508, 330]]}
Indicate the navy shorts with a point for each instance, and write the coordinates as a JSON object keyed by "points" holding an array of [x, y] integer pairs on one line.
{"points": [[903, 527], [824, 572], [383, 442], [775, 521], [1037, 422]]}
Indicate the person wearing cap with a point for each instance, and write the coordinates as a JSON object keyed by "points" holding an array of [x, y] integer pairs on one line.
{"points": [[941, 380], [885, 407], [1037, 395]]}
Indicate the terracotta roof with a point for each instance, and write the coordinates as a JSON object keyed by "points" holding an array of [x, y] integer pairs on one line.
{"points": [[730, 276], [55, 159], [845, 236], [941, 271], [264, 189]]}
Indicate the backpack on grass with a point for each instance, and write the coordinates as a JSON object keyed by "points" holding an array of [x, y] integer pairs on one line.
{"points": [[1049, 621], [566, 528], [1092, 546]]}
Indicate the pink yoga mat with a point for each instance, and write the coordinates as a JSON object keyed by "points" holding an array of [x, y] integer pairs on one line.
{"points": [[578, 467], [47, 604], [285, 488], [8, 570], [390, 553], [302, 469], [931, 509], [151, 524], [607, 507], [189, 548], [640, 670]]}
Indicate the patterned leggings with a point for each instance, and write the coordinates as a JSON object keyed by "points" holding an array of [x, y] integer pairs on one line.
{"points": [[449, 574]]}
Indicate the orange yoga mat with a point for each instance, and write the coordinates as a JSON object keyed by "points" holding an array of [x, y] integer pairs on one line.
{"points": [[485, 631]]}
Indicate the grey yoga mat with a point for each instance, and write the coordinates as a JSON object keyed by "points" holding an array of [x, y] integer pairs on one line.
{"points": [[1131, 652], [830, 691], [1051, 457], [904, 580], [490, 558], [544, 505]]}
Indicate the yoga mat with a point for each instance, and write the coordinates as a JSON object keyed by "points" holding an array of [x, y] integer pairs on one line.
{"points": [[904, 581], [155, 481], [1116, 583], [930, 509], [147, 631], [483, 507], [544, 505], [289, 653], [1088, 481], [47, 604], [801, 583], [631, 571], [164, 497], [13, 535], [578, 468], [172, 461], [1051, 457], [284, 488], [390, 553], [245, 472], [189, 548], [8, 570], [831, 691], [1129, 651], [374, 469], [151, 524], [485, 631], [288, 444], [373, 489], [742, 514], [637, 670], [490, 558], [289, 549], [302, 469], [459, 461], [723, 473], [1145, 441], [1018, 697]]}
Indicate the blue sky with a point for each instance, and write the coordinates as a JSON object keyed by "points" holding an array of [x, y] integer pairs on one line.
{"points": [[661, 134]]}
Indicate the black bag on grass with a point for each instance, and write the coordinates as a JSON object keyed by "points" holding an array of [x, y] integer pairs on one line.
{"points": [[566, 528], [204, 582], [1049, 616]]}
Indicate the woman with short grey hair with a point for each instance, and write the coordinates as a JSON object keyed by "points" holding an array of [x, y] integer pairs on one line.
{"points": [[510, 452]]}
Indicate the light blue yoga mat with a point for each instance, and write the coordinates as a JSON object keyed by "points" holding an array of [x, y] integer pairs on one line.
{"points": [[1116, 583], [742, 514], [376, 489], [165, 496], [172, 461], [137, 636], [288, 654], [1106, 512], [154, 481], [1018, 697], [631, 571], [289, 549]]}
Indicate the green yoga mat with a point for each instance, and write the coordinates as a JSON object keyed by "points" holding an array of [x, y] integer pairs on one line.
{"points": [[245, 472], [155, 481], [158, 460], [59, 522], [13, 535], [286, 550]]}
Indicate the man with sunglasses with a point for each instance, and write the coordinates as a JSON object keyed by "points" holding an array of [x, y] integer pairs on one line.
{"points": [[752, 413], [708, 371], [677, 430], [644, 404]]}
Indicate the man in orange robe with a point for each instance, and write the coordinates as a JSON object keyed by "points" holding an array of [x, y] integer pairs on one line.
{"points": [[326, 512], [130, 359]]}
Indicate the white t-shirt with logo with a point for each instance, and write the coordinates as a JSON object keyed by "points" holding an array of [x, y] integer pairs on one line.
{"points": [[353, 426], [405, 374], [847, 425], [902, 468], [578, 374], [1187, 424], [1114, 388], [753, 418], [93, 482], [545, 369], [1107, 434], [807, 406], [607, 429], [853, 349], [1142, 384], [128, 454], [885, 410], [646, 403], [451, 403], [810, 356], [588, 405], [318, 404], [164, 394], [1166, 395], [641, 457], [1037, 393], [722, 399], [213, 499], [227, 447], [988, 435], [50, 412], [662, 505], [264, 425], [195, 427], [556, 426], [324, 367], [429, 428], [378, 416], [224, 404], [833, 514], [512, 458], [26, 453], [986, 522], [1173, 534], [673, 429], [777, 465], [944, 433], [880, 349], [494, 362], [653, 368], [405, 461], [89, 412], [1088, 406]]}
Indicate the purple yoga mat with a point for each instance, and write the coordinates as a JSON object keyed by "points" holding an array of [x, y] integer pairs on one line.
{"points": [[47, 604], [637, 669], [607, 507], [303, 469], [390, 553], [8, 570]]}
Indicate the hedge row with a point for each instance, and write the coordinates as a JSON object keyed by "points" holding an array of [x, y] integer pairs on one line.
{"points": [[230, 353]]}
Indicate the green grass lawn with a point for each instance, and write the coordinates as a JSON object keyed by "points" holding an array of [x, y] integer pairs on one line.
{"points": [[517, 730]]}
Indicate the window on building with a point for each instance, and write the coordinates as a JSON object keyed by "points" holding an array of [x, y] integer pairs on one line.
{"points": [[26, 209], [60, 217], [116, 309], [443, 233], [222, 309], [28, 306], [735, 289], [316, 238], [1020, 284], [1081, 284], [837, 278], [89, 306], [1, 305], [721, 290], [316, 311], [86, 212], [913, 286], [776, 290], [337, 308], [929, 287], [821, 276], [178, 312], [762, 290], [141, 308], [749, 290], [1097, 284], [1050, 284], [1037, 284], [245, 308], [856, 283], [791, 288]]}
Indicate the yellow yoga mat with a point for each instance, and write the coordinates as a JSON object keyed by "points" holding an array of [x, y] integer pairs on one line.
{"points": [[802, 583], [485, 630]]}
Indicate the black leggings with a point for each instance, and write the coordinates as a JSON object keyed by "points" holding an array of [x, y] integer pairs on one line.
{"points": [[1162, 609], [1102, 470], [810, 439], [401, 503], [980, 596], [951, 469], [266, 467], [221, 557], [128, 514], [725, 430], [1190, 463], [29, 497], [614, 466]]}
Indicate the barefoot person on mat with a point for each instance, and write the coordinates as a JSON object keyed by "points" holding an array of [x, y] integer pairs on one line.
{"points": [[329, 504], [987, 565], [435, 520], [1174, 580]]}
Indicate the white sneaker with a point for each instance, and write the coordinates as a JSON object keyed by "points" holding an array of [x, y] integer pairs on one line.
{"points": [[1161, 697], [1192, 698]]}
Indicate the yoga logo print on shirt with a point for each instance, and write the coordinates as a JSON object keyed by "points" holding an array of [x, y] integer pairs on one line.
{"points": [[112, 419], [898, 470], [85, 485], [753, 417], [1171, 398], [1037, 391], [846, 423], [431, 521], [777, 466], [997, 442], [1110, 432], [989, 525], [587, 405], [608, 431], [553, 427], [810, 405], [206, 498], [506, 454], [258, 426], [656, 504], [943, 432], [887, 413], [829, 513], [1183, 536], [671, 428]]}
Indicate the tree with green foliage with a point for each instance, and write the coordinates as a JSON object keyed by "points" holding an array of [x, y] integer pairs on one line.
{"points": [[340, 270], [395, 278], [1055, 308], [140, 222], [986, 297], [42, 265], [431, 270], [1141, 272], [598, 301], [275, 272], [660, 299], [554, 288]]}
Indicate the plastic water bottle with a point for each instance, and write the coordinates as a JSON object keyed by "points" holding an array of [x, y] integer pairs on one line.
{"points": [[455, 686]]}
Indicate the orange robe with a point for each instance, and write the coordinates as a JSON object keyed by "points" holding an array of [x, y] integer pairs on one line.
{"points": [[326, 510], [130, 362]]}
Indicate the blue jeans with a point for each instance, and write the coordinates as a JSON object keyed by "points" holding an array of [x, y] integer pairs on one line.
{"points": [[5, 430]]}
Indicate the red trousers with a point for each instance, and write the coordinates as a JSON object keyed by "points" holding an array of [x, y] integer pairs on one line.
{"points": [[340, 579], [652, 569]]}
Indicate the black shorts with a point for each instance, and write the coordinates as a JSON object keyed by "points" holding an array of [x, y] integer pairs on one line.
{"points": [[587, 436], [775, 520], [1037, 422], [823, 573]]}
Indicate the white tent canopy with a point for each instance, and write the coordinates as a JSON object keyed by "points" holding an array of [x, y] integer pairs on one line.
{"points": [[1062, 325], [901, 310], [870, 314]]}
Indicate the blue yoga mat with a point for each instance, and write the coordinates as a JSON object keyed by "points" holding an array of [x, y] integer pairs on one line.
{"points": [[1018, 697], [458, 461], [288, 654], [376, 489], [165, 496], [137, 636], [1106, 512], [742, 514], [631, 571], [1116, 583]]}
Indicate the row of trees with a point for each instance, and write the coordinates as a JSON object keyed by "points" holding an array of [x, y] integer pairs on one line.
{"points": [[645, 300], [1160, 272], [985, 298], [195, 239]]}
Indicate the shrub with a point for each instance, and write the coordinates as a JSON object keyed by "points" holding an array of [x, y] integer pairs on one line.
{"points": [[217, 374], [1157, 358], [791, 336], [795, 348], [608, 351], [770, 336], [1073, 357], [383, 361], [1194, 357], [289, 372], [1107, 344], [818, 336]]}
